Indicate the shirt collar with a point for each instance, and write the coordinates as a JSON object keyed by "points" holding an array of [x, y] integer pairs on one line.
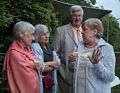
{"points": [[77, 29]]}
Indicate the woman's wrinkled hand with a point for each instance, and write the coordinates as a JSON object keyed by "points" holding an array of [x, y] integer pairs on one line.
{"points": [[38, 65], [73, 57], [96, 56], [48, 68]]}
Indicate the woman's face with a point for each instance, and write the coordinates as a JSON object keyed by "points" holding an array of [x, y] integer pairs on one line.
{"points": [[89, 35], [76, 18], [27, 37], [44, 37]]}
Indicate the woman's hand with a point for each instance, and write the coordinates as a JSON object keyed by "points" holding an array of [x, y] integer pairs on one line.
{"points": [[96, 56], [47, 68], [50, 66], [73, 57], [38, 67]]}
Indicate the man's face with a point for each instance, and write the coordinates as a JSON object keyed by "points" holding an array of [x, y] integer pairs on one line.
{"points": [[76, 18]]}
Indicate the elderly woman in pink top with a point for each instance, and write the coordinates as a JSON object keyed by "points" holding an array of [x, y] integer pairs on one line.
{"points": [[19, 61]]}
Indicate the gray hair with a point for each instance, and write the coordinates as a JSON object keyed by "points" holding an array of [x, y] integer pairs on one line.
{"points": [[95, 24], [76, 8], [39, 28], [22, 26]]}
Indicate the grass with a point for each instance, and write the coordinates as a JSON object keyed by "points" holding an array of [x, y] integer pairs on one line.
{"points": [[116, 89]]}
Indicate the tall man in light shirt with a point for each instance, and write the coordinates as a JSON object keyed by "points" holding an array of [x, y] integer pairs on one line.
{"points": [[65, 40]]}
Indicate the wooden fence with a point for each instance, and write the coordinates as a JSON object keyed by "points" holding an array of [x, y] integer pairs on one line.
{"points": [[117, 54]]}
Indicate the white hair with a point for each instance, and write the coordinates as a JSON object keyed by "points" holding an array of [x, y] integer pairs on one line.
{"points": [[39, 28], [76, 8], [22, 26]]}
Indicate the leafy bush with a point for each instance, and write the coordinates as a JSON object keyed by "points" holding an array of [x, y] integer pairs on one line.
{"points": [[33, 11]]}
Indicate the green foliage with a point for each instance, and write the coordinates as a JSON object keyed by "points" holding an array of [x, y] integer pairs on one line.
{"points": [[44, 15], [33, 11], [116, 89], [112, 31], [80, 2], [5, 17], [93, 2]]}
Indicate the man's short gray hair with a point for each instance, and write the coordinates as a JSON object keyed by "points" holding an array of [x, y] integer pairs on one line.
{"points": [[76, 8], [22, 26], [39, 28]]}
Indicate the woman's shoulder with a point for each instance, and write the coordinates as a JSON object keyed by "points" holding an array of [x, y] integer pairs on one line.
{"points": [[106, 44], [35, 46], [107, 47]]}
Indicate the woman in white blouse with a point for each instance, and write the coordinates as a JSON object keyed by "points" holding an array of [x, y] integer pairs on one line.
{"points": [[95, 66], [45, 54]]}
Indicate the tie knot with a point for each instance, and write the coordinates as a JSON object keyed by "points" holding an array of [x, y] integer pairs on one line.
{"points": [[78, 30]]}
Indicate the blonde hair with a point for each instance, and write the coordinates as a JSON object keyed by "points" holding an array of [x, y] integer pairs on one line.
{"points": [[95, 24]]}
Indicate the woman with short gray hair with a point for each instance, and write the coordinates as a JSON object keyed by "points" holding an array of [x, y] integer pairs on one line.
{"points": [[22, 27], [95, 66], [19, 63], [45, 53], [38, 30]]}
